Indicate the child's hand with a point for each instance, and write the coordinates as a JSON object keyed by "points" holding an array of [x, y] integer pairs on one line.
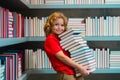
{"points": [[84, 71]]}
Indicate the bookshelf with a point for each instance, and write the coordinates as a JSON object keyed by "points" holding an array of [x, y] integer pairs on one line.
{"points": [[70, 11]]}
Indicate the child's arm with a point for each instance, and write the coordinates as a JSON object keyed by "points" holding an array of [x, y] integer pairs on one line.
{"points": [[68, 61]]}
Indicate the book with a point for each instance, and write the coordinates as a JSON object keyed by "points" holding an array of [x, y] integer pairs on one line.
{"points": [[3, 63], [68, 31], [73, 42], [2, 71], [69, 39], [74, 45], [80, 49], [77, 47]]}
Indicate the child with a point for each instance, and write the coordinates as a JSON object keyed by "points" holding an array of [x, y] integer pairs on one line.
{"points": [[59, 58]]}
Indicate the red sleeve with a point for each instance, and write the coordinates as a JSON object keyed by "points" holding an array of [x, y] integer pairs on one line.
{"points": [[52, 46]]}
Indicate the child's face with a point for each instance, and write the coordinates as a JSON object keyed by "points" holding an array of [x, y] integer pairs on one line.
{"points": [[58, 27]]}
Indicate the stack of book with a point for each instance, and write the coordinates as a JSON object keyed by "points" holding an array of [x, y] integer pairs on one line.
{"points": [[80, 52]]}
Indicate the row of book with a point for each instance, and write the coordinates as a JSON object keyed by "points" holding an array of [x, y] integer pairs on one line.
{"points": [[36, 59], [103, 26], [90, 26], [11, 68], [34, 26], [104, 58], [54, 2], [11, 24], [16, 25]]}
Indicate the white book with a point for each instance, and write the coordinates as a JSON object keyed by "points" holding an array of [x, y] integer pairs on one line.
{"points": [[84, 59], [77, 47], [82, 55], [80, 52], [70, 39], [72, 33], [72, 43], [90, 63], [80, 49], [72, 30], [67, 35]]}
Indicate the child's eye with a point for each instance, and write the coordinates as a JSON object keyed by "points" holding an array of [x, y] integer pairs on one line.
{"points": [[56, 24], [59, 24], [62, 25]]}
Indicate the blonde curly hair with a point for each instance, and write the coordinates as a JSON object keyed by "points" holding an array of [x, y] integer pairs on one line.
{"points": [[51, 20]]}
